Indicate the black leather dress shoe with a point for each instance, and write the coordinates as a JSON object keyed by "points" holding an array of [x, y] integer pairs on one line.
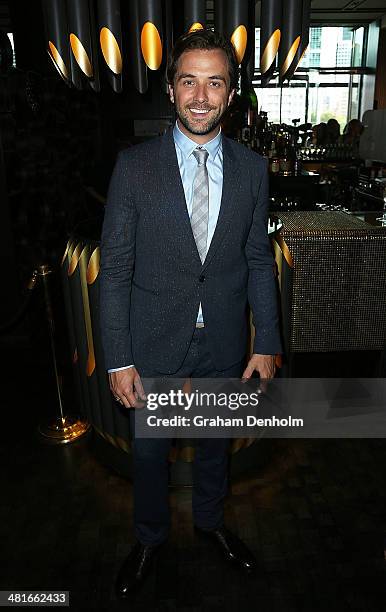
{"points": [[134, 569], [231, 547]]}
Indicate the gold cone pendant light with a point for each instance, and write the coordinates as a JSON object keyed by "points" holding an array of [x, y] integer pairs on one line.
{"points": [[151, 45], [236, 25], [110, 40], [168, 40], [57, 42], [110, 50], [81, 22], [194, 15], [219, 15], [248, 63], [291, 34], [270, 36], [304, 39], [151, 32], [80, 34], [137, 65]]}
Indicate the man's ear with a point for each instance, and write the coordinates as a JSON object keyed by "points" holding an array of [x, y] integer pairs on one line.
{"points": [[171, 93], [230, 97]]}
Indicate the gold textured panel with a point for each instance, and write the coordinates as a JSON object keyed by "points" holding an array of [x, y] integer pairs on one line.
{"points": [[196, 26], [151, 46], [285, 250], [65, 252], [81, 56], [239, 443], [270, 51], [121, 443], [74, 259], [110, 438], [290, 56], [239, 41], [186, 453], [58, 60], [116, 441], [90, 367], [71, 248], [93, 266], [111, 51]]}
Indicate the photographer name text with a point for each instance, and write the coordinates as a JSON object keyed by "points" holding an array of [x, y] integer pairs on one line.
{"points": [[218, 421]]}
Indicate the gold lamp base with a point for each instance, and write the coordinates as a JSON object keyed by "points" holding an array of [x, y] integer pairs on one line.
{"points": [[64, 430]]}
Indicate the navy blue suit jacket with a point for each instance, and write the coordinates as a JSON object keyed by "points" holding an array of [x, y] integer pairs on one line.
{"points": [[152, 280]]}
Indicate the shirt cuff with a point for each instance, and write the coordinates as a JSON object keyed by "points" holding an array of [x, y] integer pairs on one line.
{"points": [[119, 369]]}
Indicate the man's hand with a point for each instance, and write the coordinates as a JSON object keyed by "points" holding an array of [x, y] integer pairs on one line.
{"points": [[126, 386], [263, 364]]}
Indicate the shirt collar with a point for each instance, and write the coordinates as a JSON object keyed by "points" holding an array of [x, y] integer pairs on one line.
{"points": [[187, 146]]}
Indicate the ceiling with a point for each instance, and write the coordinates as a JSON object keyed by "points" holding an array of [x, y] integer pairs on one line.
{"points": [[347, 11], [331, 12]]}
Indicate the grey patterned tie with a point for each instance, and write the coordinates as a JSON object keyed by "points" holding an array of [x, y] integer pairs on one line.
{"points": [[200, 203]]}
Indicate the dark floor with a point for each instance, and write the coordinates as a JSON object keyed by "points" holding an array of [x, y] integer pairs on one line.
{"points": [[314, 514]]}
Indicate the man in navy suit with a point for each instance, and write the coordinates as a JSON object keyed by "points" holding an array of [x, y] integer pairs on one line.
{"points": [[184, 250]]}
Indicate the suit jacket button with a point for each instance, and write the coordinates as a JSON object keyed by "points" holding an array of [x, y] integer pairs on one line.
{"points": [[201, 278]]}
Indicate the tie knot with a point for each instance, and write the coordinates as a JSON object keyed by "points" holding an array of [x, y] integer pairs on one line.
{"points": [[201, 156]]}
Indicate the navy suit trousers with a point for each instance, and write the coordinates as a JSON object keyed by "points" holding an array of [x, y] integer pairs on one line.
{"points": [[210, 466]]}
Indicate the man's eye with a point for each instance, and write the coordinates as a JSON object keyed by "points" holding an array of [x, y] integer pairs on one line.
{"points": [[188, 83], [215, 83]]}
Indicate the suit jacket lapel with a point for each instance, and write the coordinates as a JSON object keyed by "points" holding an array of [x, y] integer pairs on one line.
{"points": [[230, 189], [174, 191]]}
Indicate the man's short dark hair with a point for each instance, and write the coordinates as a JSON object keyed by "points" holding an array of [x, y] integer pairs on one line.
{"points": [[204, 39]]}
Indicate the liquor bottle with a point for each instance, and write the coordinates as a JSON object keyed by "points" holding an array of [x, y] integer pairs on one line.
{"points": [[297, 169], [275, 165], [273, 159], [262, 132], [292, 150], [286, 157], [248, 100], [252, 107], [246, 136]]}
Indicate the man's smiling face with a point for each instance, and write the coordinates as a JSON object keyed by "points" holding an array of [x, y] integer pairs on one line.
{"points": [[201, 92]]}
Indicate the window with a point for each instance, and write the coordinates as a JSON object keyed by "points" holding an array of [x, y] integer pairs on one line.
{"points": [[325, 85], [328, 98], [315, 37], [284, 104], [329, 48]]}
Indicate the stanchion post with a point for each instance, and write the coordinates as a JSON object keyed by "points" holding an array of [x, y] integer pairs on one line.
{"points": [[61, 429]]}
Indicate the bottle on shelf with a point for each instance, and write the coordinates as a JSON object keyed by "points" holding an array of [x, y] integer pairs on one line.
{"points": [[248, 101], [287, 157]]}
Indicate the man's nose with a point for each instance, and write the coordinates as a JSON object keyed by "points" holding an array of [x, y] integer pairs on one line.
{"points": [[201, 93]]}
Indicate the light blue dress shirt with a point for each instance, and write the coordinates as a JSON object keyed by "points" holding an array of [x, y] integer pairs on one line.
{"points": [[187, 164]]}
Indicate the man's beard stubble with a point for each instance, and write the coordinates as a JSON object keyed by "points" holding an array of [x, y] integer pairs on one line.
{"points": [[197, 130]]}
